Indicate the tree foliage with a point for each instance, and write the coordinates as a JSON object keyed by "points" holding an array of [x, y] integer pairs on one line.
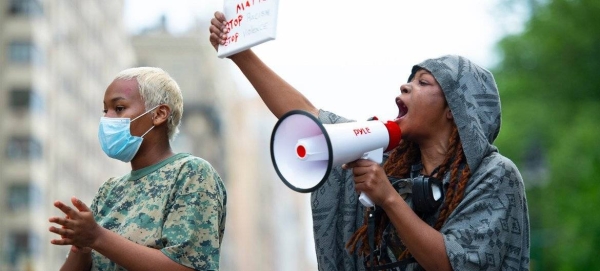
{"points": [[549, 84]]}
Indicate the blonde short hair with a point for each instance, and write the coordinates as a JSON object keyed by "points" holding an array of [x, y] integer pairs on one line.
{"points": [[157, 87]]}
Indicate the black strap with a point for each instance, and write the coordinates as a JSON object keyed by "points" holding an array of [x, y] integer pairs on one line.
{"points": [[415, 170], [435, 171], [371, 236], [396, 264]]}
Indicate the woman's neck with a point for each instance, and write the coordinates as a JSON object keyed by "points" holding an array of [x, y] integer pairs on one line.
{"points": [[433, 155], [151, 155]]}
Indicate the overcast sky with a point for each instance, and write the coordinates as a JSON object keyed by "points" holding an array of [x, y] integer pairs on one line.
{"points": [[357, 74]]}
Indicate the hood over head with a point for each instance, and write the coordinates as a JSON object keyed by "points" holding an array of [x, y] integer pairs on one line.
{"points": [[472, 95]]}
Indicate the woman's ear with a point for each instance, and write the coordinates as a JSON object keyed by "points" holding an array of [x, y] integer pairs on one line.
{"points": [[161, 114], [449, 113]]}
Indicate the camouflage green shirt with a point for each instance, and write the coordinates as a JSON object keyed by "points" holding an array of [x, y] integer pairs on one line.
{"points": [[177, 206]]}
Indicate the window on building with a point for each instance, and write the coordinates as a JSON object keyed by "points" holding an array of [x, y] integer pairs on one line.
{"points": [[17, 248], [19, 197], [25, 7], [23, 147], [23, 52], [25, 99], [20, 98]]}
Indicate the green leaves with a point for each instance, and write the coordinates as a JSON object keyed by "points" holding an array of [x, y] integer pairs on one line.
{"points": [[550, 90]]}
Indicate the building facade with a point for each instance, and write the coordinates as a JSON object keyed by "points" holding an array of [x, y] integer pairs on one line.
{"points": [[56, 59]]}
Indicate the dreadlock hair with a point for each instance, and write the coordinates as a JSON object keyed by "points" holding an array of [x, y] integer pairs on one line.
{"points": [[398, 165]]}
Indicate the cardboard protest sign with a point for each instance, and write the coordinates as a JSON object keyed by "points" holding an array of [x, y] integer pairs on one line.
{"points": [[249, 22]]}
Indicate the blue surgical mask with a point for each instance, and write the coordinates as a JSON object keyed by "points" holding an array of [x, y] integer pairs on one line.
{"points": [[116, 139]]}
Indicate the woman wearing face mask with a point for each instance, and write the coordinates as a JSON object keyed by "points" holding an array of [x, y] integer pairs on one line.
{"points": [[168, 213], [449, 115]]}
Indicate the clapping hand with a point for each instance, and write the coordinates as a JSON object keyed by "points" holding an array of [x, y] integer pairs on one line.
{"points": [[78, 227]]}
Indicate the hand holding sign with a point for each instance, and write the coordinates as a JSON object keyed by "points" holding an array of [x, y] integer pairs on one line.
{"points": [[248, 23]]}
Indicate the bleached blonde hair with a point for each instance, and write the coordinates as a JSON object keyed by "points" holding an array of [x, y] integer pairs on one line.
{"points": [[157, 87]]}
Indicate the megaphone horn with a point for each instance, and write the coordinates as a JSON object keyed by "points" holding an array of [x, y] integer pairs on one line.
{"points": [[303, 150]]}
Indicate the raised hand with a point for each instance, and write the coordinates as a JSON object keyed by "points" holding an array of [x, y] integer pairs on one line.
{"points": [[217, 29], [78, 227]]}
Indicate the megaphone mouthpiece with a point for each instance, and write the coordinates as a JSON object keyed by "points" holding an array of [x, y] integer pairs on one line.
{"points": [[312, 148], [301, 151]]}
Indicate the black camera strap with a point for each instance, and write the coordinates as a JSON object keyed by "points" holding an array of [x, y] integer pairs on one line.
{"points": [[371, 236], [415, 171], [401, 263]]}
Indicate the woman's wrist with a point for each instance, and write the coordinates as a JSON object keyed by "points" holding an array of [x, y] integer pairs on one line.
{"points": [[240, 56], [392, 200], [81, 250]]}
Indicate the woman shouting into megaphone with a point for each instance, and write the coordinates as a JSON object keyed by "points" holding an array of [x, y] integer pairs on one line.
{"points": [[449, 114]]}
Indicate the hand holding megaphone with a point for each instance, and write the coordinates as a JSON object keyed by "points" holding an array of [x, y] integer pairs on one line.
{"points": [[303, 150], [368, 176]]}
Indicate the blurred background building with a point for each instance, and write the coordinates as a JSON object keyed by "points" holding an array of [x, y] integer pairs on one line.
{"points": [[56, 59]]}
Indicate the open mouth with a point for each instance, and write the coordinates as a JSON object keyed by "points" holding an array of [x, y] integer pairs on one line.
{"points": [[402, 108]]}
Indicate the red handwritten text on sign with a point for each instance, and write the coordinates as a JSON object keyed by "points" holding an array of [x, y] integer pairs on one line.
{"points": [[242, 6], [232, 24]]}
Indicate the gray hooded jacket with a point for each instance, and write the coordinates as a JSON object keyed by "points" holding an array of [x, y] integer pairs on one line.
{"points": [[489, 229]]}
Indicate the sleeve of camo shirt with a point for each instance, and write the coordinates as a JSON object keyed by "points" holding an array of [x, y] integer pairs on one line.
{"points": [[194, 224]]}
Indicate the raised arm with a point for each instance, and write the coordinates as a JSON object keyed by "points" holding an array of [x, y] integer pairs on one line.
{"points": [[279, 96]]}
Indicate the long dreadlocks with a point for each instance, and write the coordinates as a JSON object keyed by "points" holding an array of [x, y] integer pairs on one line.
{"points": [[398, 165]]}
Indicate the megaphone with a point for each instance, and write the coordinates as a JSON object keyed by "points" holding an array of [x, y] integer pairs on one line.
{"points": [[303, 150]]}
